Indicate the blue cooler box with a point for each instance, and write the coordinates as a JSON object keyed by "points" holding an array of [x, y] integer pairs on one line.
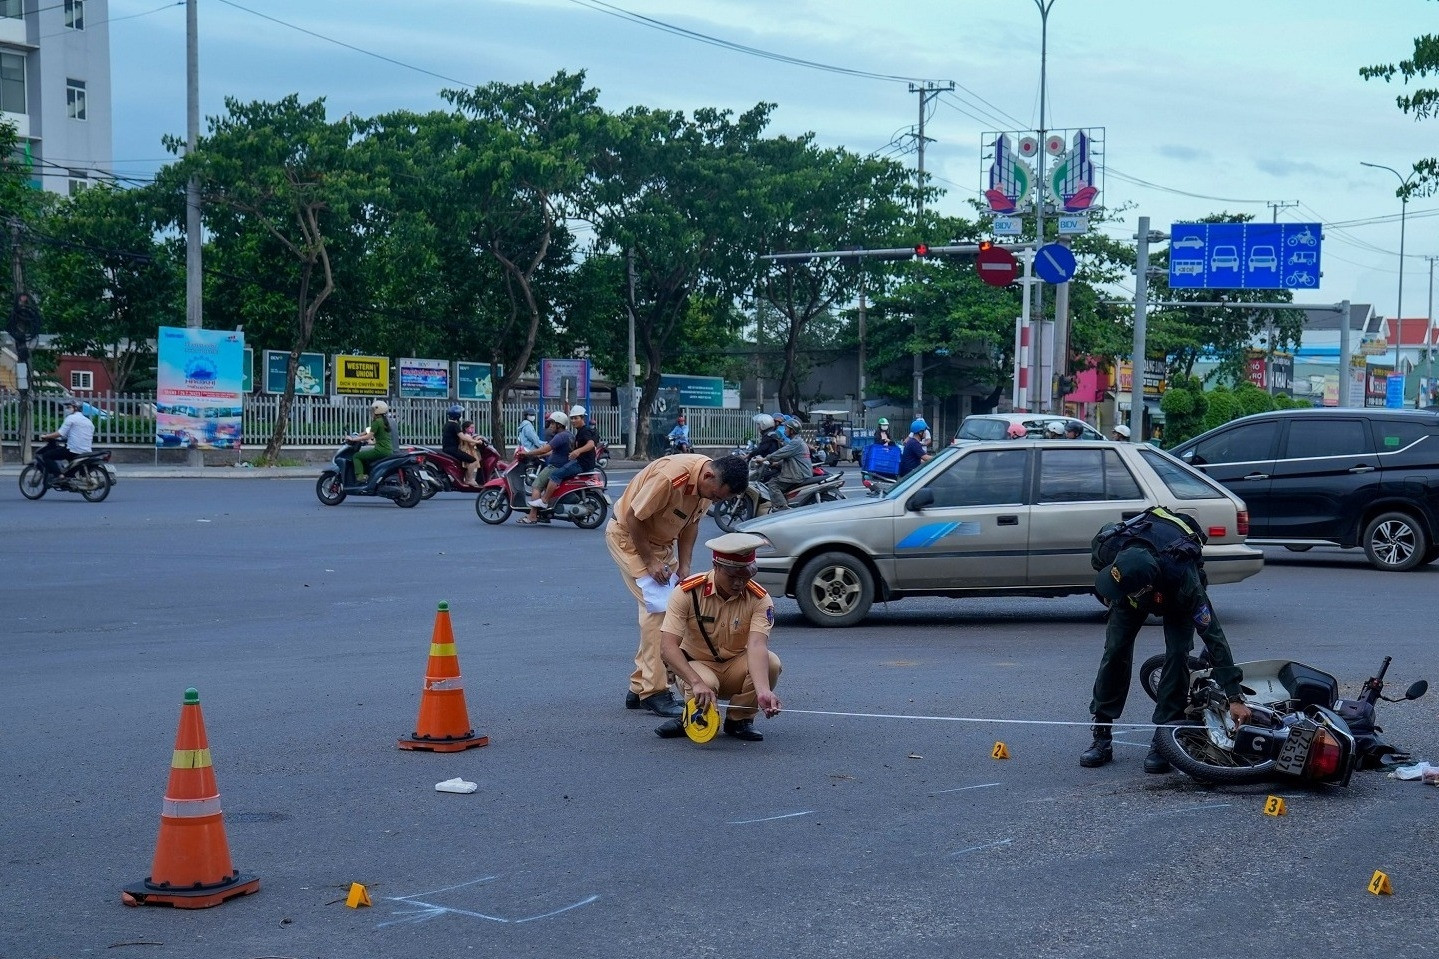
{"points": [[881, 459]]}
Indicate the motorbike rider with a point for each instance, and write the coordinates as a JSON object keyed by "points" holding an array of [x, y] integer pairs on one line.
{"points": [[1142, 582], [557, 449], [452, 444], [75, 434], [1072, 430], [914, 452], [795, 466], [584, 439], [380, 436], [1016, 431], [881, 433], [769, 440], [679, 437], [529, 437]]}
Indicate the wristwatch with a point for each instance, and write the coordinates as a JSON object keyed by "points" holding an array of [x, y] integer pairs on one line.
{"points": [[1236, 698]]}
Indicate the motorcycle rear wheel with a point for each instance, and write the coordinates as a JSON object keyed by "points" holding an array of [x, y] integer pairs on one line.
{"points": [[1190, 751], [329, 490], [724, 512], [32, 482], [1153, 667], [412, 489], [493, 506], [97, 479], [596, 510]]}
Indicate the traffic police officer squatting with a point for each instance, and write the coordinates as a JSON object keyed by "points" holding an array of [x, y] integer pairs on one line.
{"points": [[715, 637]]}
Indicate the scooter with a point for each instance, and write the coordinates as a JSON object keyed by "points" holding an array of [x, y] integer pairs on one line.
{"points": [[396, 477], [442, 473], [823, 486], [89, 474], [581, 499]]}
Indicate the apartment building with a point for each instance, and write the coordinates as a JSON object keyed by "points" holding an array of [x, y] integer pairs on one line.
{"points": [[55, 88]]}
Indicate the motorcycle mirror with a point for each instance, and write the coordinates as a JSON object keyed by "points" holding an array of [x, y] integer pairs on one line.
{"points": [[1417, 689]]}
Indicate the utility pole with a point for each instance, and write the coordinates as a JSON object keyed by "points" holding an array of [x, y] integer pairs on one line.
{"points": [[927, 91], [859, 396], [1278, 205], [1429, 331], [1039, 390], [21, 331], [1141, 308], [634, 410], [194, 278]]}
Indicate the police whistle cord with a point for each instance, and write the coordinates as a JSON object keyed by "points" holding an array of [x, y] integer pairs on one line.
{"points": [[967, 719]]}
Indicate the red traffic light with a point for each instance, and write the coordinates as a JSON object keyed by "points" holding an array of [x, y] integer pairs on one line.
{"points": [[984, 245], [921, 249]]}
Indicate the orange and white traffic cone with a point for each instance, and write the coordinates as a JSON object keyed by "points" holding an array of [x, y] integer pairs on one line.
{"points": [[192, 867], [444, 724]]}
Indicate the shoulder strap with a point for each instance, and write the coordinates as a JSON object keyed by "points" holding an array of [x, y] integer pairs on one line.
{"points": [[700, 621]]}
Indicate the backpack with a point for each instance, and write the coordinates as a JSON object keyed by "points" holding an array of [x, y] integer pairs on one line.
{"points": [[1174, 538], [393, 424]]}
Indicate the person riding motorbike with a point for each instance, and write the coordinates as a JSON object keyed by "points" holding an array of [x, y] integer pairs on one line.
{"points": [[557, 451], [769, 440], [75, 434], [914, 451], [679, 437], [795, 466], [380, 436], [881, 433], [452, 444], [1016, 431], [529, 437]]}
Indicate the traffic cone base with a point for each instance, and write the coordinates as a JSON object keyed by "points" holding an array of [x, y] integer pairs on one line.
{"points": [[443, 725], [201, 897]]}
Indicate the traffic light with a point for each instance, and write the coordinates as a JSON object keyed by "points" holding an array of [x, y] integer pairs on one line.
{"points": [[1067, 384], [921, 250]]}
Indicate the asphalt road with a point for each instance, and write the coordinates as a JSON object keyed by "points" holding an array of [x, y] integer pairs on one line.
{"points": [[306, 631]]}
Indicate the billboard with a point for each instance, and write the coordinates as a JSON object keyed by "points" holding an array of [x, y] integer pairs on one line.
{"points": [[473, 381], [309, 373], [424, 378], [199, 376], [568, 380], [362, 375], [698, 391]]}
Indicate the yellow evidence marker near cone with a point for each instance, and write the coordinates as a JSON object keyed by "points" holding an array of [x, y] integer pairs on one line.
{"points": [[359, 896], [1379, 884], [1000, 751], [1274, 806]]}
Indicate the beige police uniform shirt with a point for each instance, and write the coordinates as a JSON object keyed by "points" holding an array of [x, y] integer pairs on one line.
{"points": [[728, 621], [664, 497]]}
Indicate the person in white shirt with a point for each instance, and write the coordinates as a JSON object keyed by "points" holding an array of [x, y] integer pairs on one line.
{"points": [[75, 435]]}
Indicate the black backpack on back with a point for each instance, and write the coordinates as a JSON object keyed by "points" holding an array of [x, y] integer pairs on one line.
{"points": [[1176, 539]]}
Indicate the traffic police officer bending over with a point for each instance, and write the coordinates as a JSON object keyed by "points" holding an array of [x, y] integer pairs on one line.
{"points": [[716, 639], [1147, 577]]}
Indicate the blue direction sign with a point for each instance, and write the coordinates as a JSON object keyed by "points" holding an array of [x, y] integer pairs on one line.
{"points": [[1244, 256], [1054, 263]]}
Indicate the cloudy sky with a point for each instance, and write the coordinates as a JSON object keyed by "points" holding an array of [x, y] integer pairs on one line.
{"points": [[1226, 105]]}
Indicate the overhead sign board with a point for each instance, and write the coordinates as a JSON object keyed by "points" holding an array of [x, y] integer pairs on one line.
{"points": [[1008, 225], [996, 266], [1054, 263], [1244, 256]]}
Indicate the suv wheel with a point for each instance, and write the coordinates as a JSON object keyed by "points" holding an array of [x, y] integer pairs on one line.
{"points": [[1394, 543], [834, 589]]}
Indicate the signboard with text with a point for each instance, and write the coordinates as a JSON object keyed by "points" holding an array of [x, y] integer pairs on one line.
{"points": [[567, 380], [424, 378], [700, 391], [474, 381], [362, 375], [309, 373], [198, 378]]}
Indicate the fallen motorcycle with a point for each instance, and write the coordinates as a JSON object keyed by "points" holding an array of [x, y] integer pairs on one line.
{"points": [[89, 474], [1300, 728]]}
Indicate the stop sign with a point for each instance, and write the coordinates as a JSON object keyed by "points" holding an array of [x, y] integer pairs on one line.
{"points": [[997, 266]]}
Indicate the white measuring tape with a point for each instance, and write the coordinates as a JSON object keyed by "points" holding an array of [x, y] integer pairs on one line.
{"points": [[965, 719]]}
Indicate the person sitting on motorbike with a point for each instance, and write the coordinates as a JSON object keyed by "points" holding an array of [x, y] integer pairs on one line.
{"points": [[881, 433], [454, 447], [914, 452], [581, 458], [793, 463], [679, 437], [1016, 431], [769, 438], [557, 450], [529, 436], [380, 436], [75, 435]]}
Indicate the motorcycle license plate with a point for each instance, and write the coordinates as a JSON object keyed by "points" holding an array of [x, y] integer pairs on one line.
{"points": [[1295, 750]]}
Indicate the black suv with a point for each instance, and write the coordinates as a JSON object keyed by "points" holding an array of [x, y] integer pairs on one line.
{"points": [[1335, 477]]}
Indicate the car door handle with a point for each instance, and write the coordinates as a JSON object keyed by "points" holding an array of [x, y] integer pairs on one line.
{"points": [[1008, 520], [1257, 476], [1361, 469]]}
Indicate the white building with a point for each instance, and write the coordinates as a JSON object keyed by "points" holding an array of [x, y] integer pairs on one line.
{"points": [[55, 87]]}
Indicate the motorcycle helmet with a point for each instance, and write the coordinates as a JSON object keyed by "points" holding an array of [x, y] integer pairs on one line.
{"points": [[883, 421], [918, 426], [380, 406], [529, 413], [763, 422], [1016, 431], [1054, 428], [559, 419], [455, 411], [578, 410], [794, 424]]}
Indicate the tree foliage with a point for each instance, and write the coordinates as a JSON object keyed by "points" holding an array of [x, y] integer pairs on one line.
{"points": [[1422, 103]]}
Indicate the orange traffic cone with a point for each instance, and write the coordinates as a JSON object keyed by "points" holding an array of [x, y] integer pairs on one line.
{"points": [[444, 724], [192, 868]]}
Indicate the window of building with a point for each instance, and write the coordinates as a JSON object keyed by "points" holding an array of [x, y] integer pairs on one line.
{"points": [[79, 180], [12, 83], [75, 14], [82, 380], [75, 98], [15, 9]]}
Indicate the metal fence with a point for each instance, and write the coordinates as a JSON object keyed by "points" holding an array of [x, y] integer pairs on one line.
{"points": [[128, 419]]}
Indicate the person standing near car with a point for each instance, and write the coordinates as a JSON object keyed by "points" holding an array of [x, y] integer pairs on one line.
{"points": [[914, 452], [651, 537], [75, 434], [1149, 577]]}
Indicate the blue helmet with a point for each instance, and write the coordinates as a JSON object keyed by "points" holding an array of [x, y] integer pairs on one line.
{"points": [[455, 411], [918, 426]]}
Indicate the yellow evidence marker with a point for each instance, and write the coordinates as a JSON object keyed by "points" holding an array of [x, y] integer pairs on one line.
{"points": [[1274, 806], [1000, 751], [701, 725], [359, 896], [1379, 885]]}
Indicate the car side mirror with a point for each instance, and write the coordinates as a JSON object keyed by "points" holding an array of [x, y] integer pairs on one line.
{"points": [[921, 500]]}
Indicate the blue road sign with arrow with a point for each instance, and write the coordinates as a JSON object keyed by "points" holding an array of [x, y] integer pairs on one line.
{"points": [[1244, 256], [1054, 263]]}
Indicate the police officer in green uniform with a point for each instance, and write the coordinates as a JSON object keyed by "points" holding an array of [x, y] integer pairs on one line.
{"points": [[1136, 585], [379, 435]]}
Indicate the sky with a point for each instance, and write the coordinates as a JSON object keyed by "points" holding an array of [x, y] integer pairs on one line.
{"points": [[1238, 106]]}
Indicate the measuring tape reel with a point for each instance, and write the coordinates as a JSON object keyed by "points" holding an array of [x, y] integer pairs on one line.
{"points": [[701, 725]]}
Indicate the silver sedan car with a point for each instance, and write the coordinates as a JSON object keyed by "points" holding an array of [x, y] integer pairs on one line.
{"points": [[1000, 518]]}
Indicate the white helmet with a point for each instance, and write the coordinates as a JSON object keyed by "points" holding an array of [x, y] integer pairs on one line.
{"points": [[578, 410], [380, 406], [763, 422], [559, 419], [1054, 428]]}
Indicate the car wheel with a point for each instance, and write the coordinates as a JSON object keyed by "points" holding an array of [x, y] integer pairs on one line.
{"points": [[1394, 542], [834, 589], [1430, 556]]}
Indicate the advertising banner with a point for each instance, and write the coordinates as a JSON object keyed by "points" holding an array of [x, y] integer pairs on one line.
{"points": [[198, 379], [248, 384], [424, 378], [362, 375], [309, 373], [473, 381], [698, 391], [568, 380]]}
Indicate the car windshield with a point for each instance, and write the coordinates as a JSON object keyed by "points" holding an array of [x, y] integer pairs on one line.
{"points": [[907, 483], [1183, 480]]}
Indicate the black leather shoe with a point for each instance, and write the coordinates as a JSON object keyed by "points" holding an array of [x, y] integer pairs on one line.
{"points": [[670, 729], [632, 699], [663, 704], [1100, 751], [1155, 763], [743, 729]]}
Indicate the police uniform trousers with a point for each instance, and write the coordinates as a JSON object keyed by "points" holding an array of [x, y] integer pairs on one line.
{"points": [[731, 681], [1116, 667], [650, 675]]}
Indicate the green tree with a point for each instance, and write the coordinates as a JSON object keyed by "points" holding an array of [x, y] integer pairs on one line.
{"points": [[1422, 103]]}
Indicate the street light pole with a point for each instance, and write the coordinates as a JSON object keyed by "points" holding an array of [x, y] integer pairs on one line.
{"points": [[1403, 216], [1039, 392]]}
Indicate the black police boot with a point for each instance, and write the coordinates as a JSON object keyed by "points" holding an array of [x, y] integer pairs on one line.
{"points": [[1100, 751], [1155, 763]]}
